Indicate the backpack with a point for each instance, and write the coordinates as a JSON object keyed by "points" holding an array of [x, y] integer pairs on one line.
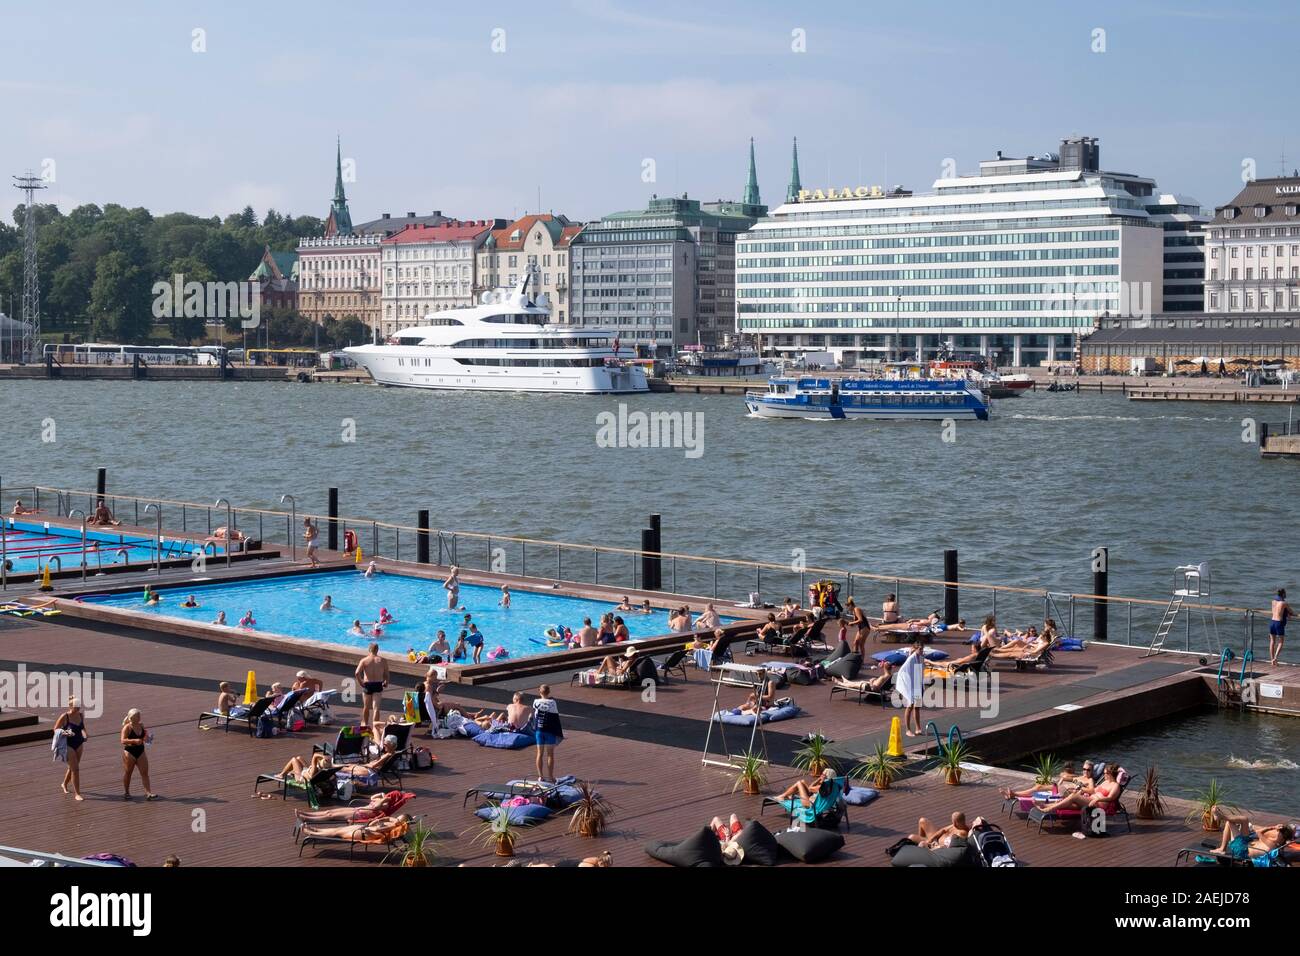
{"points": [[266, 726]]}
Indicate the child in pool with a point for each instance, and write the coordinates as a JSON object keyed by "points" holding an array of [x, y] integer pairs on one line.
{"points": [[247, 620], [505, 596], [190, 602], [460, 651]]}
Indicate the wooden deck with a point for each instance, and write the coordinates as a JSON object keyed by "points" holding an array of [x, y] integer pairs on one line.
{"points": [[645, 757]]}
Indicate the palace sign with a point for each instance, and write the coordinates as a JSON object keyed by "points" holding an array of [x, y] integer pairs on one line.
{"points": [[847, 192]]}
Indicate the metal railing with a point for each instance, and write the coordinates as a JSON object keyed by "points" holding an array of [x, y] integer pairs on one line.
{"points": [[719, 578]]}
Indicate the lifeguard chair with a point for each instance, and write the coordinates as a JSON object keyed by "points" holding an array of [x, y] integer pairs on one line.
{"points": [[1191, 583]]}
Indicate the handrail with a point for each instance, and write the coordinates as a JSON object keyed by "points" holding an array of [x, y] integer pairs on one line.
{"points": [[1224, 657], [1245, 663], [891, 579]]}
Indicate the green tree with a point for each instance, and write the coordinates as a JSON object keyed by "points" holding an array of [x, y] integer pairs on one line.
{"points": [[121, 300]]}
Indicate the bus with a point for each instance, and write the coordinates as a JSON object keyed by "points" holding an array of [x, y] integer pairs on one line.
{"points": [[104, 353], [290, 357]]}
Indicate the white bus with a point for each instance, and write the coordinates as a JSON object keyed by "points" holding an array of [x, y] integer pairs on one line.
{"points": [[100, 353]]}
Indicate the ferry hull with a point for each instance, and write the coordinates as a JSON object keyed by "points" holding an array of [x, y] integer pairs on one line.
{"points": [[763, 409]]}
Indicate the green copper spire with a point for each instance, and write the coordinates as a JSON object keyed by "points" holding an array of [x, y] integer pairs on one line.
{"points": [[340, 220], [751, 187], [792, 191]]}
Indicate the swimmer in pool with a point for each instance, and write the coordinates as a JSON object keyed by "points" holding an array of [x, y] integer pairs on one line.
{"points": [[221, 618], [505, 597], [460, 651], [357, 630], [646, 608], [384, 616], [247, 620], [151, 596], [624, 605], [190, 602], [328, 604], [371, 569]]}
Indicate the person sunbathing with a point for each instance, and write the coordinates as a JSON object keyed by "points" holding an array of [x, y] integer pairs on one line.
{"points": [[372, 831], [1242, 841], [1086, 798], [226, 699], [789, 608], [617, 665], [758, 702], [19, 510], [376, 807], [806, 791], [488, 720], [1019, 649], [726, 831], [929, 836], [882, 681], [1068, 780], [770, 631], [102, 516]]}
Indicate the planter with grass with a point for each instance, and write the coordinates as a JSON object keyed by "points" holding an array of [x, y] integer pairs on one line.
{"points": [[813, 756], [751, 774], [1150, 805], [950, 760], [879, 768], [420, 849], [590, 813], [1212, 798]]}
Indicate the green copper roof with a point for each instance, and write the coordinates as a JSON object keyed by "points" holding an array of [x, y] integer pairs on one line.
{"points": [[751, 187], [792, 192], [339, 207]]}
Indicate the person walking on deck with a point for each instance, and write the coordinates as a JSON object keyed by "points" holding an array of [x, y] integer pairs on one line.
{"points": [[311, 534], [1277, 625], [372, 672]]}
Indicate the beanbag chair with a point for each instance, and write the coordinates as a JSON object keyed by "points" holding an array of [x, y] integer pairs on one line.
{"points": [[894, 657], [525, 815], [780, 713], [644, 670], [846, 666], [860, 796], [944, 857], [734, 716], [505, 740], [809, 846], [761, 848], [702, 849]]}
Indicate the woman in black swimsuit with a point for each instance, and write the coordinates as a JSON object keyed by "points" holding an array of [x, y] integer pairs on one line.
{"points": [[72, 724], [134, 737]]}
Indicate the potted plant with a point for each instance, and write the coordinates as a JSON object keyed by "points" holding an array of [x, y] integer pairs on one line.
{"points": [[1207, 801], [950, 759], [1046, 768], [591, 812], [1149, 804], [812, 756], [880, 768], [419, 849], [751, 774], [498, 833]]}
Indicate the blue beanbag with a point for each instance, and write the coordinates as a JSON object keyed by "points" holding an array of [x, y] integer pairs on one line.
{"points": [[780, 713], [734, 716], [472, 730], [524, 815], [505, 740], [897, 657], [860, 796], [934, 654], [1070, 644]]}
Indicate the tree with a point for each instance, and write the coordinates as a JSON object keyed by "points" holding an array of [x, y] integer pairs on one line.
{"points": [[121, 300]]}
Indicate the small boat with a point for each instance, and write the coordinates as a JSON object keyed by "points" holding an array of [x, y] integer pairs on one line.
{"points": [[922, 399]]}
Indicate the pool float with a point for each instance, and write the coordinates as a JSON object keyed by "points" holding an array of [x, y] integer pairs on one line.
{"points": [[557, 636], [499, 654]]}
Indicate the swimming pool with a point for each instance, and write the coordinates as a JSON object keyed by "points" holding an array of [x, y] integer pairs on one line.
{"points": [[291, 606], [29, 545]]}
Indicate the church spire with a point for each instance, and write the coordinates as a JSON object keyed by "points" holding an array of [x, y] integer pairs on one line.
{"points": [[793, 190], [339, 222], [751, 187]]}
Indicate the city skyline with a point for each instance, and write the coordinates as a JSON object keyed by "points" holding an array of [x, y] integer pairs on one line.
{"points": [[574, 102]]}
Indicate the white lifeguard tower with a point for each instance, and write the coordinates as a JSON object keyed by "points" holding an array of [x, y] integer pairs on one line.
{"points": [[1191, 584]]}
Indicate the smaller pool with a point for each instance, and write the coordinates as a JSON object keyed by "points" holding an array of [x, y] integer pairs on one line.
{"points": [[291, 606], [29, 545]]}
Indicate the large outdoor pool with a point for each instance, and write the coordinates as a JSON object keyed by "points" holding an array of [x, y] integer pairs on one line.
{"points": [[291, 606], [30, 545]]}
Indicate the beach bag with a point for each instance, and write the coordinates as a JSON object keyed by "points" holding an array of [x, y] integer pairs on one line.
{"points": [[343, 788], [423, 759], [295, 722], [266, 726]]}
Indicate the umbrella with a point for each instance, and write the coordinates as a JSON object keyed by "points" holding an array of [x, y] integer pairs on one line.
{"points": [[1185, 362]]}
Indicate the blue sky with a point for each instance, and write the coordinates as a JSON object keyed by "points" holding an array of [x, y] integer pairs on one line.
{"points": [[586, 90]]}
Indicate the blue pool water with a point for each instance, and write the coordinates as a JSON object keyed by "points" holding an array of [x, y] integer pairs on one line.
{"points": [[29, 545], [291, 606]]}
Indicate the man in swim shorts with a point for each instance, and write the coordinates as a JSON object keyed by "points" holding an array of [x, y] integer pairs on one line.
{"points": [[372, 673], [1277, 625], [311, 535]]}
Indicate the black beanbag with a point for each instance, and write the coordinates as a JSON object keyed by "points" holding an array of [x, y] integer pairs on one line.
{"points": [[644, 670], [702, 849], [846, 667], [761, 848], [810, 846], [941, 858]]}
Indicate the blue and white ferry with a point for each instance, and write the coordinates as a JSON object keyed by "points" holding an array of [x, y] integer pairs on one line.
{"points": [[873, 398]]}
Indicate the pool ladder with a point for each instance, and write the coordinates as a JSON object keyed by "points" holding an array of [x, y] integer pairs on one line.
{"points": [[1230, 689]]}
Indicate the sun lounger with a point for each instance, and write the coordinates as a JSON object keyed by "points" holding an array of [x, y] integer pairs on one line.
{"points": [[390, 839], [247, 713], [317, 789], [350, 744], [829, 808], [675, 663], [359, 810], [1115, 808], [533, 789], [862, 689]]}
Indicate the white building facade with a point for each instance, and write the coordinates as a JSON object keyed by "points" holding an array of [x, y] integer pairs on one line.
{"points": [[429, 268], [1014, 263], [338, 276], [540, 241], [1253, 250]]}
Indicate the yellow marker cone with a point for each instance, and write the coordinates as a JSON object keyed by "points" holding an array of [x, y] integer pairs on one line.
{"points": [[895, 738], [250, 689], [45, 579], [358, 558]]}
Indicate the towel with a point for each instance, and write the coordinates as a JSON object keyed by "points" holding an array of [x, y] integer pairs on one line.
{"points": [[59, 747]]}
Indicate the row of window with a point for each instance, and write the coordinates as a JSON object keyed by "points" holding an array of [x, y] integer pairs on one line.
{"points": [[750, 246], [1251, 233], [965, 322], [1098, 302], [1276, 300], [989, 272], [898, 258], [892, 291]]}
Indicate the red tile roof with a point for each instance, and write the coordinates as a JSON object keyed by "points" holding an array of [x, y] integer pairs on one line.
{"points": [[446, 232]]}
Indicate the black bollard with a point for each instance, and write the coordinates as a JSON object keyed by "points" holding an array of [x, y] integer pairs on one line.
{"points": [[649, 565], [950, 612], [1100, 587], [658, 546], [101, 484], [333, 536], [422, 538]]}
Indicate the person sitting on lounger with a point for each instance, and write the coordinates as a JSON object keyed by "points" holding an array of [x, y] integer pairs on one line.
{"points": [[883, 680], [789, 608], [1021, 649], [1085, 798], [102, 516], [931, 837], [770, 631], [889, 610], [304, 681], [372, 831], [1068, 780], [1242, 841], [805, 793], [303, 770], [616, 666], [18, 509], [226, 699]]}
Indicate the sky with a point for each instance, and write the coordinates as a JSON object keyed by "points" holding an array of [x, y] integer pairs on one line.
{"points": [[594, 105]]}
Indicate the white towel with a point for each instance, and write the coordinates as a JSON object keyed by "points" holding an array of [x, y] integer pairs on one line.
{"points": [[59, 747]]}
